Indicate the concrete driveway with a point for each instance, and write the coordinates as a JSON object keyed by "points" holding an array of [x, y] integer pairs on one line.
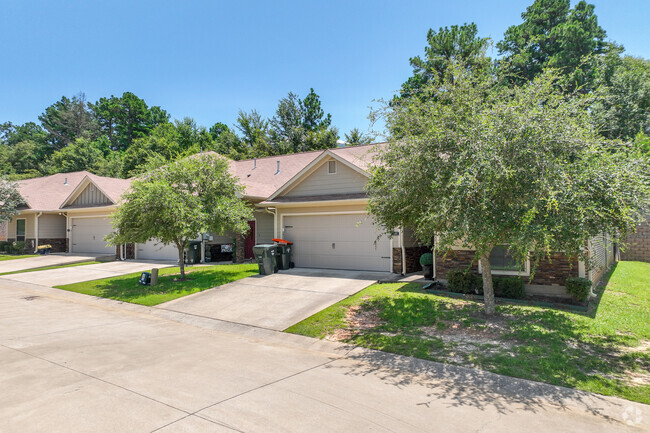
{"points": [[76, 363], [275, 301], [77, 274], [43, 261]]}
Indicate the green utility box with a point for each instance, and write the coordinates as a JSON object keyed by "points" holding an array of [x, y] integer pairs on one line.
{"points": [[265, 256], [283, 256]]}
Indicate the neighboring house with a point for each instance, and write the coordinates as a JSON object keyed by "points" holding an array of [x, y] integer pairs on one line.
{"points": [[315, 199]]}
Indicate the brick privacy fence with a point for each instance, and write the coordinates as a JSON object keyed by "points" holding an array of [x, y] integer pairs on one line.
{"points": [[638, 245], [412, 259], [550, 272]]}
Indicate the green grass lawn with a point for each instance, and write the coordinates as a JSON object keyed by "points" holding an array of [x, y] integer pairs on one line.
{"points": [[12, 257], [45, 268], [606, 350], [126, 288]]}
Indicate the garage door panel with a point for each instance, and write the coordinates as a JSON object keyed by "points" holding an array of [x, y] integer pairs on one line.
{"points": [[154, 250], [353, 236], [88, 235]]}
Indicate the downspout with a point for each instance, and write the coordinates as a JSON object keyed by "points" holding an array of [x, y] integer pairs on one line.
{"points": [[275, 221], [401, 244], [36, 231]]}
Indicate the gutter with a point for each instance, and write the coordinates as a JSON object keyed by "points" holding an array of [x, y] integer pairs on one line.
{"points": [[401, 241], [36, 231]]}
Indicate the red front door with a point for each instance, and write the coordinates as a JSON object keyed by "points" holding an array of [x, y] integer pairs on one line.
{"points": [[249, 241]]}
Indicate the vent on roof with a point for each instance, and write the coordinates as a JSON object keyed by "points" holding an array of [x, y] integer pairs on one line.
{"points": [[65, 181], [278, 171], [254, 163], [331, 167]]}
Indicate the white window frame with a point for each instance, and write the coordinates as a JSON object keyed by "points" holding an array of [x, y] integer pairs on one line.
{"points": [[336, 169], [523, 273]]}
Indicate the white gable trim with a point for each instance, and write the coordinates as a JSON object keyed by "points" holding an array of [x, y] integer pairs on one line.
{"points": [[305, 172], [80, 188]]}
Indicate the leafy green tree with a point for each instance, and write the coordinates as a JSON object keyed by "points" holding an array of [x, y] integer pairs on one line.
{"points": [[10, 200], [24, 157], [177, 202], [301, 125], [11, 134], [67, 120], [482, 165], [255, 135], [554, 35], [192, 137], [355, 138], [83, 154], [217, 129], [624, 110], [127, 118], [455, 44], [314, 118], [287, 126], [162, 145]]}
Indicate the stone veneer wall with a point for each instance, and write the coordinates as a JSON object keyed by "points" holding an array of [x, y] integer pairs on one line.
{"points": [[412, 259], [59, 245], [549, 272], [638, 245]]}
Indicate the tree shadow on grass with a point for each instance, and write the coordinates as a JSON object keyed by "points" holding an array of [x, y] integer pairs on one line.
{"points": [[129, 288], [539, 344], [463, 387]]}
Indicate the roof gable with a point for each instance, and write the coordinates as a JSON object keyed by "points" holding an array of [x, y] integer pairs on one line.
{"points": [[87, 194], [312, 167]]}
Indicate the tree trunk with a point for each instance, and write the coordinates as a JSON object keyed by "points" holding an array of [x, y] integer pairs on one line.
{"points": [[488, 288]]}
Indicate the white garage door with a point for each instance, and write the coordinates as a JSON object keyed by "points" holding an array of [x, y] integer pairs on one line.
{"points": [[337, 242], [88, 235], [154, 250]]}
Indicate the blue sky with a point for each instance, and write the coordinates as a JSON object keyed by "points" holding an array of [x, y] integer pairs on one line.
{"points": [[208, 59]]}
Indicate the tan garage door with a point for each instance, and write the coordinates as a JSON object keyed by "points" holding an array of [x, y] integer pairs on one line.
{"points": [[154, 250], [344, 241], [88, 235]]}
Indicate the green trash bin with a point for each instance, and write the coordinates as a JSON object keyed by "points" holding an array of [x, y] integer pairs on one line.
{"points": [[193, 252], [265, 256], [284, 256]]}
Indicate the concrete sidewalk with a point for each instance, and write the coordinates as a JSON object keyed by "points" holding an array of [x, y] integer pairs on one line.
{"points": [[43, 261], [275, 301], [62, 276], [76, 363]]}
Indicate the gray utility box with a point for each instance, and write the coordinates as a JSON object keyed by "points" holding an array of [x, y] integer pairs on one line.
{"points": [[265, 256], [284, 256]]}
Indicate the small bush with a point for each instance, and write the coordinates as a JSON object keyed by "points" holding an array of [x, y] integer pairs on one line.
{"points": [[463, 281], [578, 288], [3, 246], [509, 287], [426, 259], [17, 247]]}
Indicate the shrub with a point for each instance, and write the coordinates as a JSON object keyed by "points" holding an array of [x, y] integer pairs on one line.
{"points": [[3, 246], [17, 247], [578, 288], [426, 259], [463, 281], [509, 287]]}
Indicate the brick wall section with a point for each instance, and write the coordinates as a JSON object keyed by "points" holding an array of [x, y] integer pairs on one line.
{"points": [[455, 259], [4, 231], [130, 251], [638, 245], [59, 245], [555, 271], [412, 259], [549, 272]]}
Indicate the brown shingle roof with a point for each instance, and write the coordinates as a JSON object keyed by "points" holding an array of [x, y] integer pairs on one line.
{"points": [[259, 176], [50, 192]]}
